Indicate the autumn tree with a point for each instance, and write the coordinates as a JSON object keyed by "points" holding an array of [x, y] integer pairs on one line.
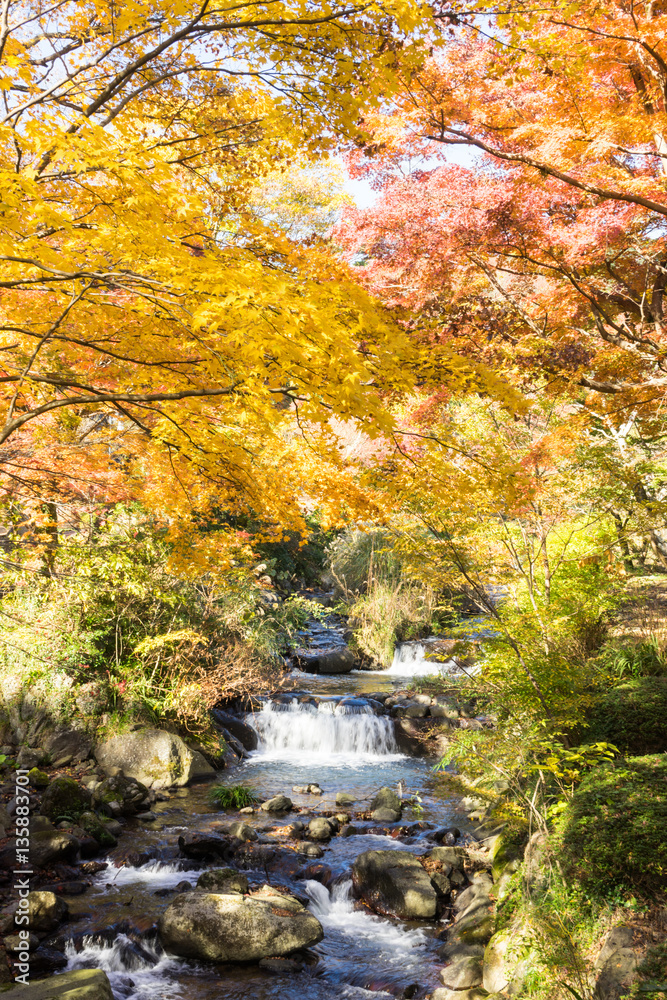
{"points": [[145, 303], [553, 243]]}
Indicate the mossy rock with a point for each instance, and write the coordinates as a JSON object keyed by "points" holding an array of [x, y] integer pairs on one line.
{"points": [[93, 825], [64, 799], [223, 880], [506, 850], [613, 834], [37, 778], [632, 716]]}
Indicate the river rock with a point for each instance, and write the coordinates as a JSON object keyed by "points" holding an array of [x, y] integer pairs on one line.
{"points": [[233, 928], [394, 883], [121, 795], [335, 660], [320, 828], [155, 758], [441, 884], [94, 826], [242, 831], [49, 846], [463, 974], [203, 845], [68, 746], [477, 993], [223, 880], [64, 799], [83, 984], [45, 911], [244, 733], [278, 804], [386, 807], [344, 799], [310, 850], [31, 757]]}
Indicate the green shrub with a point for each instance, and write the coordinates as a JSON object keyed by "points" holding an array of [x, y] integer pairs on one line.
{"points": [[613, 834], [232, 796], [391, 613], [356, 559], [632, 716], [639, 659]]}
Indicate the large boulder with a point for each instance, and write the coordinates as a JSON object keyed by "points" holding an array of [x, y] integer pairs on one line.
{"points": [[395, 884], [155, 758], [386, 807], [64, 799], [229, 927], [83, 984]]}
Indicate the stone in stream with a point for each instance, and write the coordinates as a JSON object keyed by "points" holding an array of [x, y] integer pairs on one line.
{"points": [[278, 804], [310, 850], [241, 731], [386, 807], [344, 799], [233, 928], [203, 845], [224, 880], [320, 828], [45, 911], [463, 974], [335, 660], [83, 984], [49, 846], [155, 758], [395, 884], [243, 831], [120, 795]]}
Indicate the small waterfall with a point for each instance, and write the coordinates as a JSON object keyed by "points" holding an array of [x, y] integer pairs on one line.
{"points": [[136, 968], [326, 728], [410, 661], [362, 949]]}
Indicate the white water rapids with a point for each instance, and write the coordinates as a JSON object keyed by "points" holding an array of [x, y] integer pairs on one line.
{"points": [[359, 947], [325, 729]]}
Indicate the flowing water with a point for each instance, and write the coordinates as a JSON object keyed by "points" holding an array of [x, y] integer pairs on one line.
{"points": [[330, 734]]}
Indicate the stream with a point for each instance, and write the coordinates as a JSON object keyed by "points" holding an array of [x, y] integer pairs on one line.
{"points": [[329, 733]]}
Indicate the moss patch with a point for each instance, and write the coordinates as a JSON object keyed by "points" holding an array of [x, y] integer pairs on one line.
{"points": [[632, 716], [613, 835]]}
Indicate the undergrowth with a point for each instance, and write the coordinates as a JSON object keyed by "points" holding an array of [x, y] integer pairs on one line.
{"points": [[232, 796]]}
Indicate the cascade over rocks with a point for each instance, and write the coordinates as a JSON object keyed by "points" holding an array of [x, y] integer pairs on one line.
{"points": [[155, 758], [229, 927], [395, 884]]}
